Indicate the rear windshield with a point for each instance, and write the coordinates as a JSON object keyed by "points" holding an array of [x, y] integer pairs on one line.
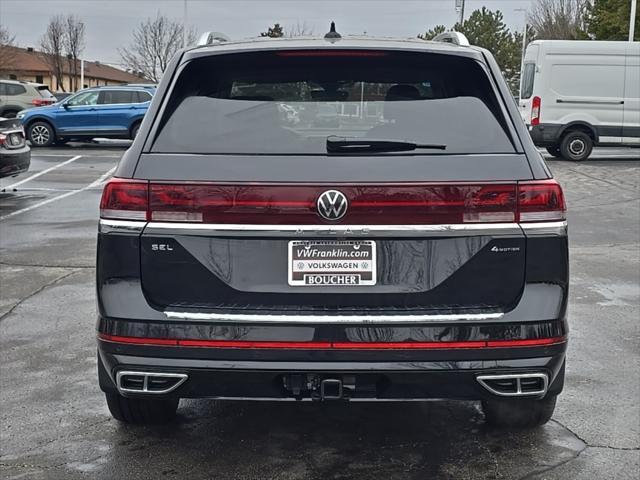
{"points": [[290, 102], [43, 90]]}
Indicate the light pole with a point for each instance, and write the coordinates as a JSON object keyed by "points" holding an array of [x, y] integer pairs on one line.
{"points": [[524, 44], [460, 8], [184, 25], [632, 20]]}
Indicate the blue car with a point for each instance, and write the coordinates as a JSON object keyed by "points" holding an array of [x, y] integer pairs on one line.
{"points": [[105, 112]]}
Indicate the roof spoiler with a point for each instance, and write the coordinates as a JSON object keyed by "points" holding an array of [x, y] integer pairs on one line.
{"points": [[210, 38], [456, 38]]}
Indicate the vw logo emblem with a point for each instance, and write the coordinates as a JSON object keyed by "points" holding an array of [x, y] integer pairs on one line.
{"points": [[332, 205]]}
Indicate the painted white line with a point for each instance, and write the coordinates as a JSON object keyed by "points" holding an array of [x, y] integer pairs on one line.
{"points": [[14, 185], [93, 184]]}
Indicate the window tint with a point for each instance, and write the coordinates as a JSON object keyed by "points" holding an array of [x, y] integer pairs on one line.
{"points": [[291, 101], [84, 98], [528, 77], [143, 96], [3, 89], [13, 89], [111, 97], [44, 91]]}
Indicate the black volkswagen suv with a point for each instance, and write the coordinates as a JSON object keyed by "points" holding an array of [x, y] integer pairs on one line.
{"points": [[333, 219]]}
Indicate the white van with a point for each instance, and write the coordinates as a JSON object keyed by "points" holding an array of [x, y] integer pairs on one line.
{"points": [[580, 94]]}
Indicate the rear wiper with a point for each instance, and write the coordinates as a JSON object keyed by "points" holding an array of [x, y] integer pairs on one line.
{"points": [[337, 144]]}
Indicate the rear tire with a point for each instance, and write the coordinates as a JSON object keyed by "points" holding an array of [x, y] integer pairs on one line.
{"points": [[41, 134], [576, 145], [518, 412], [141, 410], [554, 151]]}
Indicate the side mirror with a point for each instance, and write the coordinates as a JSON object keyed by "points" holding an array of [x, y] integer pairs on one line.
{"points": [[65, 105]]}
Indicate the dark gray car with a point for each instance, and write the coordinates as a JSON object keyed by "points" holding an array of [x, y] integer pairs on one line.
{"points": [[412, 248]]}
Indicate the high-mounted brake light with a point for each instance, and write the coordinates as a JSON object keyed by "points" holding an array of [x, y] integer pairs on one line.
{"points": [[331, 53], [535, 110], [125, 199]]}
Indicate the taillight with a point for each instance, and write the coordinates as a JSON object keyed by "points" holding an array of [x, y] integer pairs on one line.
{"points": [[368, 205], [535, 111], [125, 199], [273, 204], [540, 201], [39, 102]]}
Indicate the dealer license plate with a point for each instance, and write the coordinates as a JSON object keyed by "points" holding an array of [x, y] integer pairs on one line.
{"points": [[332, 263]]}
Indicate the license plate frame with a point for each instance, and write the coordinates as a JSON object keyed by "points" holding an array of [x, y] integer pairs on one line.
{"points": [[326, 266]]}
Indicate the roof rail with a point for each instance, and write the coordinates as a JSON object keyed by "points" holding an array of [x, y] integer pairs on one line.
{"points": [[456, 38], [209, 38]]}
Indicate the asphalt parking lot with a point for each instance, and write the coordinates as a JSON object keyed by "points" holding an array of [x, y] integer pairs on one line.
{"points": [[54, 422]]}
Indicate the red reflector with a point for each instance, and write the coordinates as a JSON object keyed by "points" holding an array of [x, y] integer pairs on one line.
{"points": [[333, 345], [215, 343], [406, 345], [125, 199], [331, 53], [541, 201], [535, 110]]}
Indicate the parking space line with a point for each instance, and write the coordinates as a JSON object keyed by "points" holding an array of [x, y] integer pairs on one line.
{"points": [[93, 184], [47, 170]]}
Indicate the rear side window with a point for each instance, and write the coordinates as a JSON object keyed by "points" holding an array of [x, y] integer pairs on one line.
{"points": [[289, 102], [528, 76], [12, 89], [111, 97], [142, 97]]}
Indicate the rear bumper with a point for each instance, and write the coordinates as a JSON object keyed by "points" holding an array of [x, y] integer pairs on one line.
{"points": [[13, 162], [545, 135], [369, 374]]}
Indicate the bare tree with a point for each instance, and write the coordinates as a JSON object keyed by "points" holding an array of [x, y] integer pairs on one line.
{"points": [[7, 51], [52, 44], [74, 45], [299, 30], [558, 19], [154, 43]]}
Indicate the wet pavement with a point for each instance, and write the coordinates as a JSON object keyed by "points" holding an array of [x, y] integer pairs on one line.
{"points": [[54, 422]]}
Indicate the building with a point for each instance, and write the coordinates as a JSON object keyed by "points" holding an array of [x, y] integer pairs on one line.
{"points": [[32, 66]]}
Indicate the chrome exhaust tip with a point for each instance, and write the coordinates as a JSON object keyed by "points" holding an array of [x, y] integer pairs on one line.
{"points": [[128, 381], [516, 384]]}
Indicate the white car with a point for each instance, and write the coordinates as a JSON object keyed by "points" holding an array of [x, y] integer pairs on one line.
{"points": [[579, 94]]}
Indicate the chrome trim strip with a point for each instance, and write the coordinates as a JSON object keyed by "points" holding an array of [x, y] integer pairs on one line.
{"points": [[517, 376], [557, 229], [592, 102], [253, 230], [120, 226], [182, 377], [356, 319]]}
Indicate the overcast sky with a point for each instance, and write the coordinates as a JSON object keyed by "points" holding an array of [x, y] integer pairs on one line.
{"points": [[109, 22]]}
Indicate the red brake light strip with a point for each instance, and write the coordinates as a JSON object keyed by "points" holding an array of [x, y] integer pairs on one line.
{"points": [[534, 342]]}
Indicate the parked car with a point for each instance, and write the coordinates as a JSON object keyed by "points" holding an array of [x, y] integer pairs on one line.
{"points": [[417, 254], [580, 94], [105, 112], [16, 95], [15, 155]]}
